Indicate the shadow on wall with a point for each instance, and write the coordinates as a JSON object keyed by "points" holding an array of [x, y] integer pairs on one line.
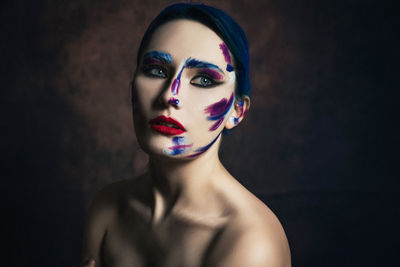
{"points": [[53, 154]]}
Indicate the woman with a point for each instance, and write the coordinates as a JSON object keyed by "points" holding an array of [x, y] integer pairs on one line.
{"points": [[191, 84]]}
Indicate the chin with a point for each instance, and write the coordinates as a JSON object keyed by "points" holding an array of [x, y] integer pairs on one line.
{"points": [[157, 146]]}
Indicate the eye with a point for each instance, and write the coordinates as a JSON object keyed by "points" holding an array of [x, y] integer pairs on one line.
{"points": [[155, 71], [203, 81]]}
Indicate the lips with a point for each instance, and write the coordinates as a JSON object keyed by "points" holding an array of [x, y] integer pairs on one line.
{"points": [[167, 125]]}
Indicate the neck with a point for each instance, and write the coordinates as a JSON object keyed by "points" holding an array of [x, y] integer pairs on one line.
{"points": [[183, 183]]}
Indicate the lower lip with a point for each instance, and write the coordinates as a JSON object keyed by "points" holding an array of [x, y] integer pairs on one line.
{"points": [[166, 130]]}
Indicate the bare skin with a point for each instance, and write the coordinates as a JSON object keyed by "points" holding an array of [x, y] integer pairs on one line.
{"points": [[183, 212], [226, 226]]}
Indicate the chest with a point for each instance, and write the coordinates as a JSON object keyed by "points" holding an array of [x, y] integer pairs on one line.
{"points": [[176, 242]]}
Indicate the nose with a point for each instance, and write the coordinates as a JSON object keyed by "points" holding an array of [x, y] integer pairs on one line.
{"points": [[172, 97], [168, 96], [173, 101]]}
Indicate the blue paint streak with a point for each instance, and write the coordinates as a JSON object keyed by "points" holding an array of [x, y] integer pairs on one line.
{"points": [[177, 151], [177, 82], [180, 73], [219, 116], [229, 67], [173, 101], [194, 63], [161, 56], [178, 140], [204, 148]]}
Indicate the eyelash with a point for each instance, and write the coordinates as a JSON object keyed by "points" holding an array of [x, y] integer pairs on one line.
{"points": [[148, 68], [213, 82], [147, 71]]}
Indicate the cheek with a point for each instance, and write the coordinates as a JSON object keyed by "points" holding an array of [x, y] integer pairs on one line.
{"points": [[217, 111], [196, 114], [145, 91], [196, 121]]}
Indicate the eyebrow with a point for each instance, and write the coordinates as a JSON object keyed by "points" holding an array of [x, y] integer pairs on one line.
{"points": [[195, 63], [160, 56]]}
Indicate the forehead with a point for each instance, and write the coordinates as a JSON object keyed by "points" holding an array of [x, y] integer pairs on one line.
{"points": [[186, 38]]}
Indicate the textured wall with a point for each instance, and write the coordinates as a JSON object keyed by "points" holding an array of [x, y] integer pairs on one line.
{"points": [[317, 145]]}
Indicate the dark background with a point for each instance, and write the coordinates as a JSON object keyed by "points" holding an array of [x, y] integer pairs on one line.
{"points": [[319, 145]]}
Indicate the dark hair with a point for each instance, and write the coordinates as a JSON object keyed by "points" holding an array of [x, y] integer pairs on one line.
{"points": [[221, 23]]}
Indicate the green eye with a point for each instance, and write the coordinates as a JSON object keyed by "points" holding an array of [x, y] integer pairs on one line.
{"points": [[203, 81], [155, 71]]}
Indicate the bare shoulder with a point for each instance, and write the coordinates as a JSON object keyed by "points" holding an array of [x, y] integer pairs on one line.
{"points": [[109, 199], [253, 237], [102, 212], [105, 202], [252, 247]]}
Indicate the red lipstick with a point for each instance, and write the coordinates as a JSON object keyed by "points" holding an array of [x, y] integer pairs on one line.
{"points": [[167, 125]]}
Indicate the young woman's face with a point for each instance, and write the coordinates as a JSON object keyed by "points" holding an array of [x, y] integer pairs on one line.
{"points": [[183, 90]]}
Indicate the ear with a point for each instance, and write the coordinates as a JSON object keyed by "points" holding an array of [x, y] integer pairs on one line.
{"points": [[238, 112]]}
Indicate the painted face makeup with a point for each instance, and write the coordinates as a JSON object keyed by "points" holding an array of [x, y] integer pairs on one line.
{"points": [[173, 101], [155, 57], [179, 146], [212, 73], [194, 63], [204, 148], [185, 68], [218, 110], [227, 56], [177, 82], [191, 63]]}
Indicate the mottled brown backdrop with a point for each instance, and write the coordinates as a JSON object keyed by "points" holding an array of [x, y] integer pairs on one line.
{"points": [[318, 145]]}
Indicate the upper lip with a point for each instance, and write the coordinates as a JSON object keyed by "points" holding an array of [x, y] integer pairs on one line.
{"points": [[167, 120]]}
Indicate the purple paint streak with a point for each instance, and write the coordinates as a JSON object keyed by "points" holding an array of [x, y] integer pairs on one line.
{"points": [[173, 101], [151, 60], [217, 124], [217, 108], [225, 51], [159, 56], [227, 56], [175, 86], [177, 82], [218, 111], [214, 74], [179, 146], [204, 148]]}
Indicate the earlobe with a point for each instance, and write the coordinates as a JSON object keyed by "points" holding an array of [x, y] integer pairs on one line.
{"points": [[238, 112]]}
